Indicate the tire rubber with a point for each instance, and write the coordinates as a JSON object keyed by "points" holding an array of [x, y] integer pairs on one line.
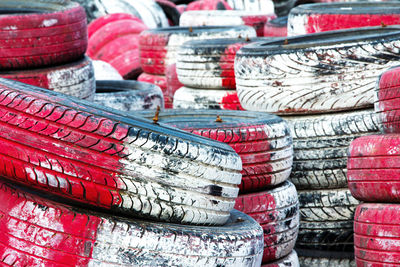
{"points": [[276, 27], [160, 81]]}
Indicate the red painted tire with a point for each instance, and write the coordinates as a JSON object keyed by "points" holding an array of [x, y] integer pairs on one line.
{"points": [[158, 47], [197, 98], [117, 43], [386, 105], [208, 5], [96, 24], [105, 158], [262, 141], [276, 27], [160, 81], [75, 79], [373, 168], [311, 18], [376, 235], [210, 63], [255, 19], [39, 232], [173, 84], [30, 39], [277, 211]]}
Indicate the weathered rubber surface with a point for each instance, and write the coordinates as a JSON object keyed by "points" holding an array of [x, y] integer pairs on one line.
{"points": [[96, 24], [128, 95], [173, 84], [208, 5], [276, 27], [75, 79], [160, 81], [262, 141], [326, 219], [158, 47], [290, 260], [281, 7], [373, 168], [386, 100], [277, 211], [148, 11], [255, 19], [170, 10], [41, 33], [320, 17], [39, 232], [196, 98], [320, 144], [210, 63], [104, 71], [376, 234], [106, 158], [128, 64], [315, 73], [326, 262]]}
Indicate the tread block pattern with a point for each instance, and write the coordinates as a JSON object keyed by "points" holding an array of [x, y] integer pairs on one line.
{"points": [[105, 158]]}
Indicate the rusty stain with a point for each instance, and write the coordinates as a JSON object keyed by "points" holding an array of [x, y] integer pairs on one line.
{"points": [[247, 39], [190, 29], [383, 24], [155, 119], [240, 36], [286, 42], [218, 119], [277, 83]]}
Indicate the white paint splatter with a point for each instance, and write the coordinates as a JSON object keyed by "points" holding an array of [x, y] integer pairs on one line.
{"points": [[49, 22]]}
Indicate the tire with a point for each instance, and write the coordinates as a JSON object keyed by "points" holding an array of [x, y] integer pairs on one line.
{"points": [[170, 10], [290, 260], [128, 95], [373, 168], [75, 79], [65, 235], [104, 71], [158, 48], [277, 211], [208, 5], [326, 262], [148, 11], [96, 24], [262, 141], [276, 27], [128, 64], [332, 78], [321, 17], [387, 92], [255, 19], [209, 63], [195, 98], [41, 33], [376, 228], [173, 84], [160, 81], [88, 154], [280, 7], [320, 146]]}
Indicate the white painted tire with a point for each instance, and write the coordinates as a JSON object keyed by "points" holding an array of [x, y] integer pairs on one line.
{"points": [[315, 73], [195, 98], [291, 260], [159, 47], [209, 63], [104, 71], [69, 236], [320, 144], [255, 19], [128, 95], [148, 11], [281, 7]]}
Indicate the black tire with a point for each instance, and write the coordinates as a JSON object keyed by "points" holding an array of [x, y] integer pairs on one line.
{"points": [[317, 258], [262, 140], [320, 146], [333, 78], [69, 236], [112, 160], [128, 95], [170, 11]]}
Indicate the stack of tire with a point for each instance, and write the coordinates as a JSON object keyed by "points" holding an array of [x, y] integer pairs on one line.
{"points": [[264, 145], [107, 173], [206, 69], [373, 177], [46, 48], [323, 85], [159, 47]]}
